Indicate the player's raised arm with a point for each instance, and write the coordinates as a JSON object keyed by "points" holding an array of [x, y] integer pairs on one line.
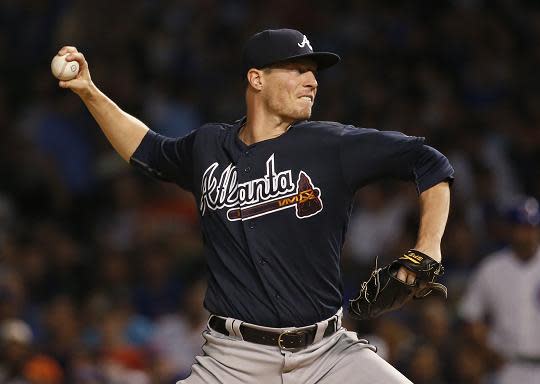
{"points": [[124, 131]]}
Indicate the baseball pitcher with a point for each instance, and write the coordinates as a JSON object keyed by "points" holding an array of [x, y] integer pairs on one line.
{"points": [[274, 192]]}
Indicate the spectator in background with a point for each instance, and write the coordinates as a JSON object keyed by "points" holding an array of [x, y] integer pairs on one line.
{"points": [[178, 337], [377, 222], [469, 364], [157, 289], [114, 341], [19, 364], [15, 350], [434, 326], [43, 369], [61, 323], [12, 294], [424, 364], [502, 303]]}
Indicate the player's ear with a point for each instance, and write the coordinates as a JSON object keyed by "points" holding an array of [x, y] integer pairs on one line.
{"points": [[254, 77]]}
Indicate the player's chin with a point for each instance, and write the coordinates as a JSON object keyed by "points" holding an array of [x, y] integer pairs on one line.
{"points": [[303, 113]]}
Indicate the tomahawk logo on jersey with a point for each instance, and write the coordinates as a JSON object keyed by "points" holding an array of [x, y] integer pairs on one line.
{"points": [[273, 192]]}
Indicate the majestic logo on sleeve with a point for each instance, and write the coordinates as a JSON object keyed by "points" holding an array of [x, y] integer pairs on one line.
{"points": [[273, 192]]}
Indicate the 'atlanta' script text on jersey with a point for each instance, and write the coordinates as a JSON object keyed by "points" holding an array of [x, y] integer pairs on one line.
{"points": [[272, 192]]}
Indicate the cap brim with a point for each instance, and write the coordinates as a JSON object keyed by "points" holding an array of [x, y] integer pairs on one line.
{"points": [[323, 60]]}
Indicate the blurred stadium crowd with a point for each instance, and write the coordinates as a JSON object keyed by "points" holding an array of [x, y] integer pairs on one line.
{"points": [[101, 273]]}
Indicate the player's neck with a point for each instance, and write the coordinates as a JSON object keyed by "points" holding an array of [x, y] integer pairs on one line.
{"points": [[262, 126], [526, 253]]}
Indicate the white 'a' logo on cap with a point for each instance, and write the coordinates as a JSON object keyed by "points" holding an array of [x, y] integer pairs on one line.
{"points": [[304, 42]]}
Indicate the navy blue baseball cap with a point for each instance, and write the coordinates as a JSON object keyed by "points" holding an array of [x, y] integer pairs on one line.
{"points": [[273, 46], [525, 211]]}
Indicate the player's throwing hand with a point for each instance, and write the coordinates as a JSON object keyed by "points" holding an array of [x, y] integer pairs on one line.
{"points": [[82, 82]]}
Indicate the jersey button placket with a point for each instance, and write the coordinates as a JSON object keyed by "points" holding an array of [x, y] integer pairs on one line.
{"points": [[249, 224]]}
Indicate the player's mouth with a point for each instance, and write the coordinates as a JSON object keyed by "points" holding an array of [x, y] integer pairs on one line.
{"points": [[307, 98]]}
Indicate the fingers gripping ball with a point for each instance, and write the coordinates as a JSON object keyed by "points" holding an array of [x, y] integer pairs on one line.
{"points": [[62, 69], [384, 292]]}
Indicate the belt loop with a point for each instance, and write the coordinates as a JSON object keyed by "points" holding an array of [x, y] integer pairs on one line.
{"points": [[321, 328], [236, 328], [208, 322], [229, 326], [339, 316]]}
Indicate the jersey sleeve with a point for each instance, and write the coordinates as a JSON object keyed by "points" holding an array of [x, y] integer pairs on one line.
{"points": [[368, 155], [165, 158]]}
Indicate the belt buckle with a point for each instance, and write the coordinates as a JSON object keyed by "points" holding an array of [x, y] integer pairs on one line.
{"points": [[292, 332]]}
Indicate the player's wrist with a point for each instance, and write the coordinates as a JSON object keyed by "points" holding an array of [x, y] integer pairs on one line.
{"points": [[432, 251], [90, 93]]}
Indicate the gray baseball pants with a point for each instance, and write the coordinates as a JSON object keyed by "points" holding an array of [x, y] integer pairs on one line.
{"points": [[341, 358]]}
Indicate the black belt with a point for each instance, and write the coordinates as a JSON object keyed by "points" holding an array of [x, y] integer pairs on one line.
{"points": [[526, 359], [293, 339]]}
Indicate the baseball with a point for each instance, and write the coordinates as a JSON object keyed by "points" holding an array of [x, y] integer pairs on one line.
{"points": [[62, 69]]}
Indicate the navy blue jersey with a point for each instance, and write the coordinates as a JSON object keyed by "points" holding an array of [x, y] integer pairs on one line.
{"points": [[274, 214]]}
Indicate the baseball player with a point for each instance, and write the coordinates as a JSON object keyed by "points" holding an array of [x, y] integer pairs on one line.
{"points": [[506, 290], [274, 192]]}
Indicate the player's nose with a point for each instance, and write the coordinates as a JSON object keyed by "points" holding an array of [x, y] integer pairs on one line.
{"points": [[311, 80]]}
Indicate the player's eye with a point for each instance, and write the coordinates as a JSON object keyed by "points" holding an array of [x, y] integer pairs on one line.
{"points": [[308, 69]]}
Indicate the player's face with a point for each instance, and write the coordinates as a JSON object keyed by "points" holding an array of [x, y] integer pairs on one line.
{"points": [[290, 89], [525, 239]]}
